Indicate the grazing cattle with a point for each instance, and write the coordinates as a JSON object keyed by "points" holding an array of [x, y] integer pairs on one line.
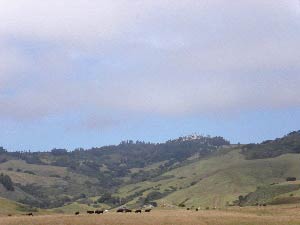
{"points": [[120, 210], [90, 212], [76, 213], [99, 211], [138, 211], [187, 208], [128, 210], [29, 214], [9, 215], [147, 210], [197, 209], [291, 179]]}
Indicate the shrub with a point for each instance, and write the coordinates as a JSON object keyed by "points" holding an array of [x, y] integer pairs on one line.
{"points": [[54, 175], [193, 183], [153, 196], [29, 172], [108, 199]]}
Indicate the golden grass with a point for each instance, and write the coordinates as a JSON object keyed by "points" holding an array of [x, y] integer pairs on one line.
{"points": [[253, 216]]}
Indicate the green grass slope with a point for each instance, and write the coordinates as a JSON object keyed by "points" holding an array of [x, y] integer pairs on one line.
{"points": [[11, 207], [44, 185], [282, 193], [217, 181]]}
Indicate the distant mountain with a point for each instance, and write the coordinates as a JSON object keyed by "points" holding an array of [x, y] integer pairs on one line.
{"points": [[187, 171]]}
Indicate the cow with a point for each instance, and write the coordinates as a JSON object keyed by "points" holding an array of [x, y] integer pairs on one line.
{"points": [[127, 210], [29, 214], [99, 211], [76, 213], [187, 208], [120, 210], [138, 211], [291, 179], [197, 209], [147, 210], [90, 212]]}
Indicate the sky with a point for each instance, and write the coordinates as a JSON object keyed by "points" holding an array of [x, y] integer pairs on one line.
{"points": [[92, 73]]}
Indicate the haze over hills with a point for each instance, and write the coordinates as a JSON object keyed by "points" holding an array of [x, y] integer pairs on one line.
{"points": [[188, 171]]}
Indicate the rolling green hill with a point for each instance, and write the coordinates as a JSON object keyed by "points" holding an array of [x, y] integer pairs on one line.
{"points": [[9, 207], [218, 181], [189, 171], [56, 178]]}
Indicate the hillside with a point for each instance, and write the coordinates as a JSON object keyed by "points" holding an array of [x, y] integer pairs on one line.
{"points": [[56, 178], [219, 180], [11, 207], [189, 171]]}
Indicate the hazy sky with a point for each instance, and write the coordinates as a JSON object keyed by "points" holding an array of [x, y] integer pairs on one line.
{"points": [[88, 73]]}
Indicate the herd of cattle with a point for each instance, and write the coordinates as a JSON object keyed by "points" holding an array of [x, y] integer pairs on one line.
{"points": [[121, 210]]}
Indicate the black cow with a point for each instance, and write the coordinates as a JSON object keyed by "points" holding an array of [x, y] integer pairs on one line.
{"points": [[128, 210], [147, 210], [99, 211], [138, 211], [197, 209], [76, 213], [29, 214], [187, 208], [120, 210], [291, 179], [90, 212]]}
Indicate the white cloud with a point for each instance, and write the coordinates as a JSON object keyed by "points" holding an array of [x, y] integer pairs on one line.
{"points": [[164, 57]]}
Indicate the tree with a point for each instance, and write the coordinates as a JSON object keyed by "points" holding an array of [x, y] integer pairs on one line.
{"points": [[58, 152], [6, 182], [2, 150]]}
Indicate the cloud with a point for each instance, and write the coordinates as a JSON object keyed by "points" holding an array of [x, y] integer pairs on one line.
{"points": [[133, 58]]}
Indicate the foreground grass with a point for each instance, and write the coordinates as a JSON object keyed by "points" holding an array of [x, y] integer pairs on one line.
{"points": [[289, 216]]}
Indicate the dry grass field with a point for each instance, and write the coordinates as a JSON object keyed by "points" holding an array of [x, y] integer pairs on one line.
{"points": [[246, 216]]}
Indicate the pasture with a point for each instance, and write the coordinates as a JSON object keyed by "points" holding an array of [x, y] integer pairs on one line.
{"points": [[279, 215]]}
